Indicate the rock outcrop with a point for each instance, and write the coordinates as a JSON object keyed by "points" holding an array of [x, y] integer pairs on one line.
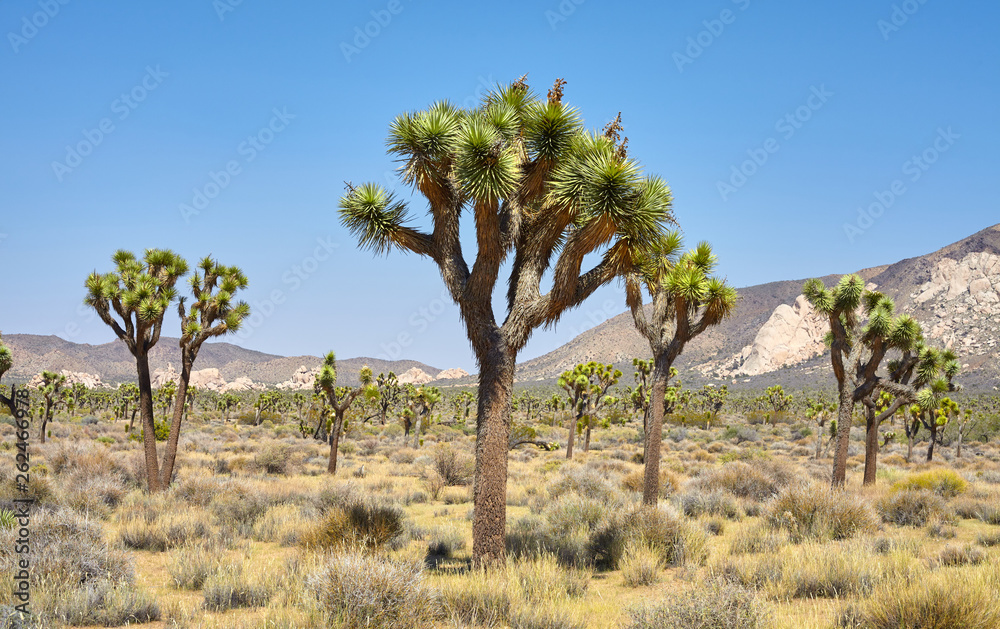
{"points": [[452, 374], [414, 376], [89, 380], [791, 335], [301, 380]]}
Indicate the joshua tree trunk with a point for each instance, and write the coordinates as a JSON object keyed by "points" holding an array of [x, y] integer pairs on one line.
{"points": [[574, 421], [45, 419], [845, 413], [338, 422], [958, 444], [496, 388], [654, 431], [930, 445], [167, 472], [146, 416], [871, 446], [586, 441]]}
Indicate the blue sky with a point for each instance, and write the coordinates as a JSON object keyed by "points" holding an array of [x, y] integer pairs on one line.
{"points": [[773, 123]]}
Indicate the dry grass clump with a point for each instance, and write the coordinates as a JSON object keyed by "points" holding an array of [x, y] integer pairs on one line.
{"points": [[359, 523], [585, 482], [231, 587], [942, 481], [669, 482], [811, 512], [912, 507], [191, 565], [102, 602], [758, 481], [362, 591], [695, 503], [640, 564], [967, 555], [945, 599], [717, 606], [758, 538], [676, 540], [817, 570], [451, 465]]}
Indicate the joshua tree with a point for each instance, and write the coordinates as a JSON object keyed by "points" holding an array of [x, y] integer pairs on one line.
{"points": [[863, 328], [163, 397], [226, 403], [6, 364], [266, 401], [543, 193], [819, 412], [686, 300], [639, 395], [388, 394], [586, 386], [127, 396], [340, 399], [139, 293], [420, 404], [51, 390], [714, 399], [918, 367], [213, 313]]}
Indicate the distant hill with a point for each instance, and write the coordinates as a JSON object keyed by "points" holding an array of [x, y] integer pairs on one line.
{"points": [[954, 293], [113, 362]]}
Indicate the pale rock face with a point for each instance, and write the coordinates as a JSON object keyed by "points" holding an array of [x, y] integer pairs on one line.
{"points": [[792, 334], [302, 380], [163, 376], [451, 374], [243, 384], [968, 301], [89, 380], [414, 375]]}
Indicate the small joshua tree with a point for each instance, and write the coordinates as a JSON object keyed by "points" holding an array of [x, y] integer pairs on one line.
{"points": [[340, 399], [863, 328], [132, 300], [686, 301], [6, 364], [420, 404], [587, 385], [51, 390]]}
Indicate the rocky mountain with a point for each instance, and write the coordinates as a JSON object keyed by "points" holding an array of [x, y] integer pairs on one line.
{"points": [[954, 293], [218, 364]]}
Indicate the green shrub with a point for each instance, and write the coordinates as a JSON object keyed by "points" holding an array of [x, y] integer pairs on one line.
{"points": [[944, 482], [362, 523]]}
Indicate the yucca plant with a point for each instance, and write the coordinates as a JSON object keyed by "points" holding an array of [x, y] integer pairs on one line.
{"points": [[340, 399], [686, 300], [543, 194], [214, 312], [132, 300], [864, 327]]}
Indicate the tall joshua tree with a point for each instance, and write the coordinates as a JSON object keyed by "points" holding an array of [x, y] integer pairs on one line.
{"points": [[543, 193], [587, 387], [213, 313], [51, 390], [686, 300], [340, 399], [863, 328], [138, 293]]}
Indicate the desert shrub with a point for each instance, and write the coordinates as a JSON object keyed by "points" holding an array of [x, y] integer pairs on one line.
{"points": [[674, 539], [669, 482], [444, 543], [960, 556], [757, 539], [744, 480], [816, 570], [640, 565], [813, 512], [988, 539], [238, 507], [911, 507], [95, 495], [101, 602], [454, 467], [745, 434], [284, 523], [572, 511], [230, 588], [272, 458], [541, 578], [945, 600], [717, 606], [942, 481], [989, 513], [362, 591], [191, 565], [363, 523], [531, 535], [584, 482], [534, 617], [695, 503]]}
